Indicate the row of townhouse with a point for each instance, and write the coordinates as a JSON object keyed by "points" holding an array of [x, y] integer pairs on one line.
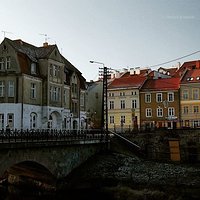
{"points": [[145, 99], [39, 88]]}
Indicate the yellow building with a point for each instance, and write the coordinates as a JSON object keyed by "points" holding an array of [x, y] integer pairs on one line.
{"points": [[190, 98], [124, 103]]}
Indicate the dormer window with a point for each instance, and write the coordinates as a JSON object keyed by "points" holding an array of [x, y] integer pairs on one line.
{"points": [[190, 79], [33, 68], [198, 78]]}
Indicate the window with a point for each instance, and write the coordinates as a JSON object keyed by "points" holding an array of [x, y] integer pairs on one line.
{"points": [[111, 94], [122, 104], [170, 96], [122, 93], [196, 123], [148, 98], [134, 93], [195, 94], [1, 121], [51, 70], [33, 90], [185, 110], [8, 65], [82, 98], [196, 109], [50, 122], [33, 121], [159, 112], [111, 104], [148, 112], [2, 67], [56, 94], [10, 88], [10, 120], [159, 97], [112, 120], [185, 94], [171, 111], [2, 88], [33, 68], [134, 103], [65, 96], [123, 120], [74, 107], [54, 70]]}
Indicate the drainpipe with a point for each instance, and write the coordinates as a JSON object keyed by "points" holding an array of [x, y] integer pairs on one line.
{"points": [[22, 103]]}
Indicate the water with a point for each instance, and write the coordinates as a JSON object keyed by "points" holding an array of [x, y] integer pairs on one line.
{"points": [[14, 193]]}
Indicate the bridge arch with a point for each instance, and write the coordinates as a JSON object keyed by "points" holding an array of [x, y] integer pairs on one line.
{"points": [[31, 169], [36, 162]]}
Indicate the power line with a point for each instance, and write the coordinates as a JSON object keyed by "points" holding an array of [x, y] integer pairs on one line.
{"points": [[174, 59]]}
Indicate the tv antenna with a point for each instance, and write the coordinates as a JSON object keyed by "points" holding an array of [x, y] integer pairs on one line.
{"points": [[45, 36], [5, 32]]}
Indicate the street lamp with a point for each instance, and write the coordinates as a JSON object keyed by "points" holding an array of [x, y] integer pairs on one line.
{"points": [[104, 124]]}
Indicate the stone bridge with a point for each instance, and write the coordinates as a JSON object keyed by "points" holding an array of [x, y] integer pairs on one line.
{"points": [[58, 152]]}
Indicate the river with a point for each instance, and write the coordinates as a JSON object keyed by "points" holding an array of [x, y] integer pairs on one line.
{"points": [[13, 193]]}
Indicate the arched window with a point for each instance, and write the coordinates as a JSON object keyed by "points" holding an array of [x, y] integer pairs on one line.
{"points": [[50, 122], [33, 121]]}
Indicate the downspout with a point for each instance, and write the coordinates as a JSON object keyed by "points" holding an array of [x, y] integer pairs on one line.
{"points": [[22, 103]]}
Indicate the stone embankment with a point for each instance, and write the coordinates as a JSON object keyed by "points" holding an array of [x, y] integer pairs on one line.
{"points": [[124, 177]]}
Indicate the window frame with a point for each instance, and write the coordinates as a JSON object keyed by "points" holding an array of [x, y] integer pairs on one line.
{"points": [[171, 112], [158, 99], [170, 96], [111, 105], [148, 98], [122, 104], [11, 88], [148, 112], [33, 91], [159, 112]]}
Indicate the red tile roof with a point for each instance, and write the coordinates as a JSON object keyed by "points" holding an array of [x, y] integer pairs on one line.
{"points": [[131, 81], [191, 76], [161, 84], [187, 65]]}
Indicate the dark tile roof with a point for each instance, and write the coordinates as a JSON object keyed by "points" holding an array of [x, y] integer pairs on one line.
{"points": [[34, 53]]}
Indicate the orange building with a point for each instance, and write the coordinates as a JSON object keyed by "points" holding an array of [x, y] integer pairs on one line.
{"points": [[159, 103]]}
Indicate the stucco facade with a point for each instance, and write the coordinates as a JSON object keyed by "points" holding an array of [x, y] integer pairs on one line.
{"points": [[39, 88]]}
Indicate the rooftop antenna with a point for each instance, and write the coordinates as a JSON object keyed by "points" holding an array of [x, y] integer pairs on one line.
{"points": [[45, 37], [5, 32]]}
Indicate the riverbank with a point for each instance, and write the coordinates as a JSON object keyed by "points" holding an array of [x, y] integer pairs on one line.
{"points": [[116, 176], [125, 177]]}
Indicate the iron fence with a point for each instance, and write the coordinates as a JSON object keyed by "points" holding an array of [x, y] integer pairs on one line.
{"points": [[8, 136]]}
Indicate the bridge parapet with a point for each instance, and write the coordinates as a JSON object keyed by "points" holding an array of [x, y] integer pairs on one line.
{"points": [[22, 136]]}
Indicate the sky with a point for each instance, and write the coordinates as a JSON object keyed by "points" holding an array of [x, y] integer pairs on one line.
{"points": [[119, 33]]}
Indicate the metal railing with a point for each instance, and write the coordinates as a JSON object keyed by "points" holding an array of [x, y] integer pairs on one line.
{"points": [[17, 136]]}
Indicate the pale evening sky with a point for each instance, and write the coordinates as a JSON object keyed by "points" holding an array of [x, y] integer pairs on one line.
{"points": [[119, 33]]}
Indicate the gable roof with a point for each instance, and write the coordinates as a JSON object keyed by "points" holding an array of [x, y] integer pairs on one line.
{"points": [[191, 76], [132, 81], [195, 64], [161, 84], [34, 53]]}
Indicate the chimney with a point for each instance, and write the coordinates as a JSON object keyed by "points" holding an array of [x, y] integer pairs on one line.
{"points": [[117, 74], [137, 70], [132, 71], [45, 44]]}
